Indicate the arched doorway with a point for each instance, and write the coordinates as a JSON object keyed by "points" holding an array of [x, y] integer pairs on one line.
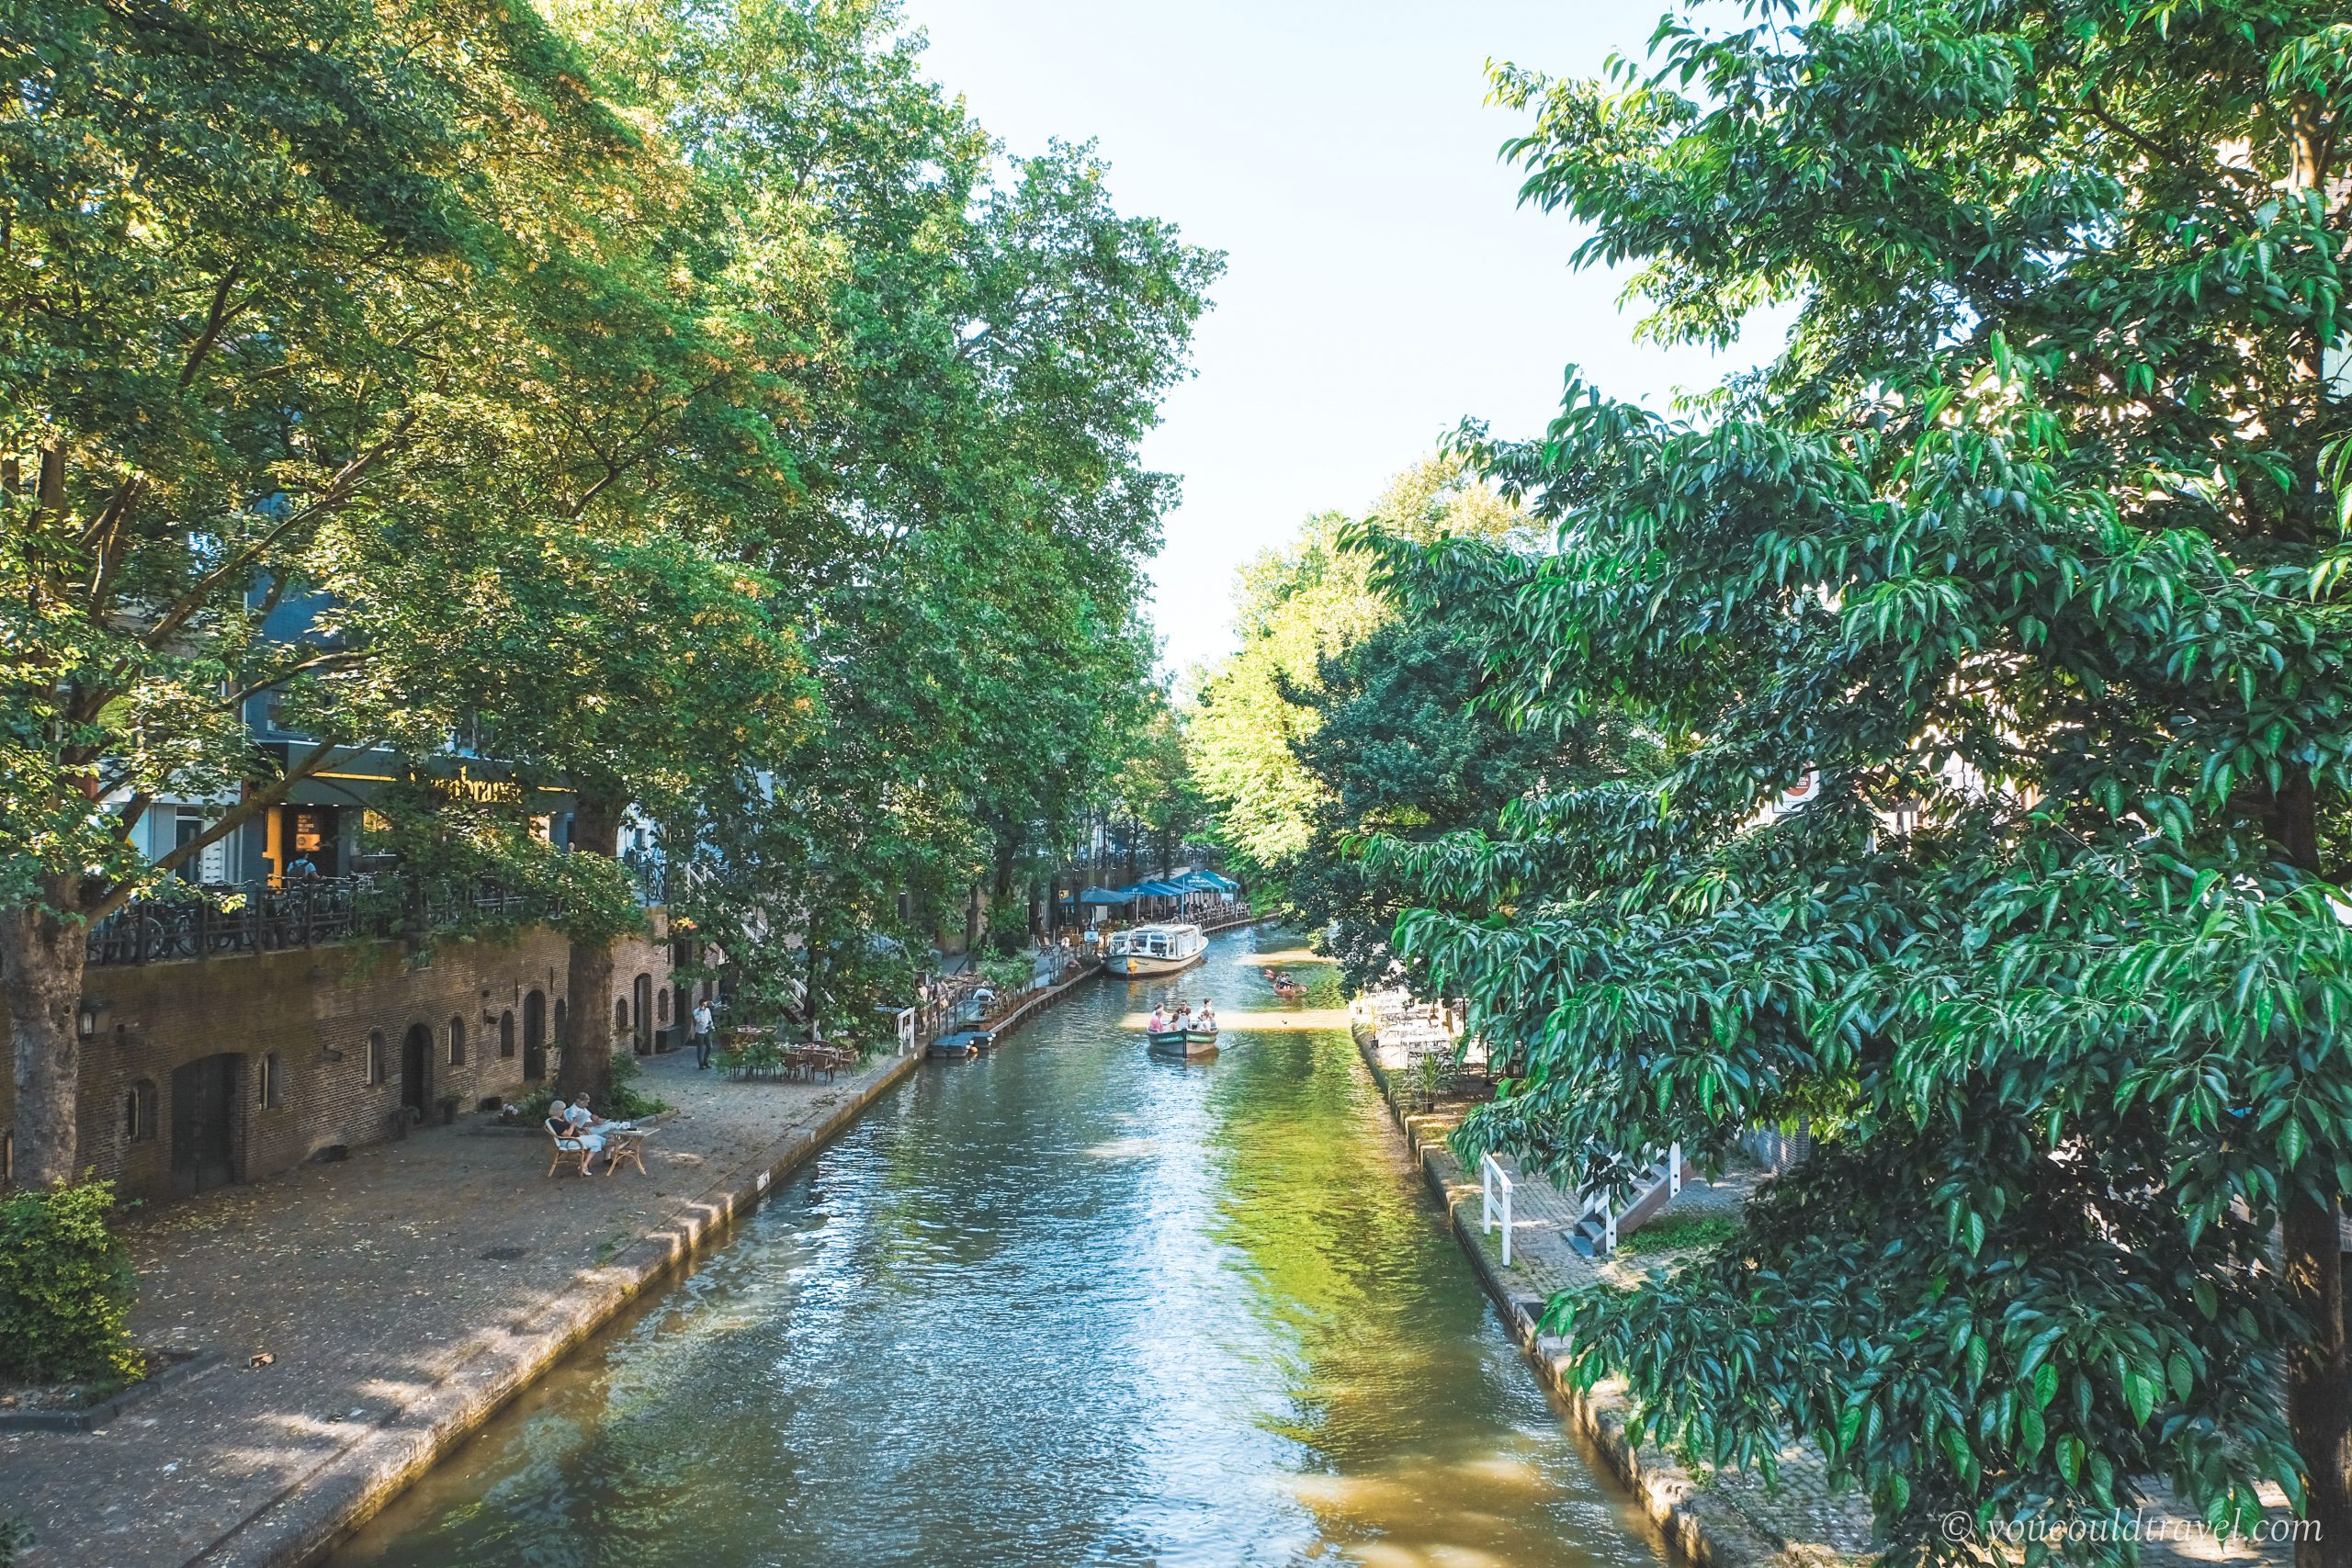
{"points": [[642, 1010], [535, 1037], [416, 1068]]}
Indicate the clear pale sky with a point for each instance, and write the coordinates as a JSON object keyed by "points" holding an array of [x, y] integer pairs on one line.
{"points": [[1381, 280]]}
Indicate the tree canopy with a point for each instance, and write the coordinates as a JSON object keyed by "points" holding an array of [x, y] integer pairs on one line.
{"points": [[1339, 716], [2024, 550], [690, 408]]}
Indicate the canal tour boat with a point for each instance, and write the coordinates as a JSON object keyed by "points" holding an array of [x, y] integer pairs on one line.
{"points": [[1155, 949], [1181, 1042]]}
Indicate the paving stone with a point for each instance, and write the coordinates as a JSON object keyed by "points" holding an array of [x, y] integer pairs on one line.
{"points": [[373, 1284]]}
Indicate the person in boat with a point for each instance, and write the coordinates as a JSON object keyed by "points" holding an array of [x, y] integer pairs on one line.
{"points": [[1158, 1022], [1206, 1018], [1183, 1018]]}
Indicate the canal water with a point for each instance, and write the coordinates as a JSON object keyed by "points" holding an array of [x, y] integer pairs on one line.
{"points": [[1065, 1304]]}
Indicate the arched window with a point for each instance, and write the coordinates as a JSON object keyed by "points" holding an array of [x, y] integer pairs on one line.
{"points": [[138, 1111], [620, 1013], [507, 1033], [661, 1004], [457, 1041], [270, 1087], [375, 1056]]}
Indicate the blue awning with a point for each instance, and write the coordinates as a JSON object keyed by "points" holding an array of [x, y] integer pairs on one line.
{"points": [[1107, 895], [1210, 882], [1160, 889]]}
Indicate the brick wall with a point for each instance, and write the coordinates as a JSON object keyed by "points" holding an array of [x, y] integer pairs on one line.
{"points": [[316, 1040]]}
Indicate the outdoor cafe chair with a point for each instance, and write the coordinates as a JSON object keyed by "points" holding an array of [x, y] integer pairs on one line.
{"points": [[574, 1152]]}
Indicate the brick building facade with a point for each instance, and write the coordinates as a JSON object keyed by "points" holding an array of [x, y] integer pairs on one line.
{"points": [[202, 1072]]}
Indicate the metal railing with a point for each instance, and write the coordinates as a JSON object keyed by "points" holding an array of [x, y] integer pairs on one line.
{"points": [[309, 912], [1493, 1179]]}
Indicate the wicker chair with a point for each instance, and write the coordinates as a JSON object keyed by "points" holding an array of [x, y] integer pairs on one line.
{"points": [[574, 1152]]}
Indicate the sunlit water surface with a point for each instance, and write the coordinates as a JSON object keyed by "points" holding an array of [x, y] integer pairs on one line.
{"points": [[1065, 1304]]}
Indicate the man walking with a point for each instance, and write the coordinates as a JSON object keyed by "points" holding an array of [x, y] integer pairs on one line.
{"points": [[702, 1034]]}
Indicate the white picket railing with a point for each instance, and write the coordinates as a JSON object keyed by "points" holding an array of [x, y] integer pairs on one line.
{"points": [[1493, 1179]]}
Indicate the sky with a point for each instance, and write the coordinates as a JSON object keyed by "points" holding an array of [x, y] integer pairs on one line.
{"points": [[1381, 281]]}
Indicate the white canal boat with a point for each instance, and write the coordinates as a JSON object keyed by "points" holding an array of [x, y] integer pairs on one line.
{"points": [[1155, 949]]}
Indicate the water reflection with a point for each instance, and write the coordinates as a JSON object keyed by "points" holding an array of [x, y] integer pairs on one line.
{"points": [[1068, 1304]]}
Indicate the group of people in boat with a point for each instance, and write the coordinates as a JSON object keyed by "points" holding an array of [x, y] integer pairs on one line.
{"points": [[1183, 1018], [1284, 986]]}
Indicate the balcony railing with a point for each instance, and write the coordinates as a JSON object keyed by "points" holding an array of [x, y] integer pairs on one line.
{"points": [[301, 912]]}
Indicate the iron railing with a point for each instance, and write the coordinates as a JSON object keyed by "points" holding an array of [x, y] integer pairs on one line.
{"points": [[309, 912]]}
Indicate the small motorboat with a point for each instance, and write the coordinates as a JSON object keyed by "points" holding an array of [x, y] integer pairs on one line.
{"points": [[1181, 1042]]}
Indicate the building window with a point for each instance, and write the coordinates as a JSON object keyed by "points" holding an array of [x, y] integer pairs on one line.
{"points": [[138, 1111], [273, 1086], [505, 1034], [375, 1056], [620, 1013], [661, 1004], [457, 1041]]}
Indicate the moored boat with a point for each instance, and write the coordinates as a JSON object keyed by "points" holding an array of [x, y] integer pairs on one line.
{"points": [[1155, 949]]}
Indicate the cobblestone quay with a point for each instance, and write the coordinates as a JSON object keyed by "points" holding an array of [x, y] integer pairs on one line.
{"points": [[399, 1297]]}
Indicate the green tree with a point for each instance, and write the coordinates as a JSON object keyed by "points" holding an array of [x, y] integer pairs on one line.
{"points": [[1406, 753], [996, 338], [1306, 614], [251, 257], [2023, 549]]}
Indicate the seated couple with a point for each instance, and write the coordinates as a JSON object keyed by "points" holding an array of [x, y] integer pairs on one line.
{"points": [[575, 1123]]}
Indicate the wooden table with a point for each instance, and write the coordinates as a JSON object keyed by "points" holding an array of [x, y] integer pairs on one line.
{"points": [[626, 1144]]}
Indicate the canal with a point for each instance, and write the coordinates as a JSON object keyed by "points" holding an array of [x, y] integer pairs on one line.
{"points": [[1064, 1304]]}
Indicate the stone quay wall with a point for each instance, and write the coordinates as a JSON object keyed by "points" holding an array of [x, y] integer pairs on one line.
{"points": [[316, 1042]]}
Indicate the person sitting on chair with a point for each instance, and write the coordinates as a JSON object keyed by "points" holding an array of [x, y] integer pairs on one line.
{"points": [[567, 1137], [585, 1124]]}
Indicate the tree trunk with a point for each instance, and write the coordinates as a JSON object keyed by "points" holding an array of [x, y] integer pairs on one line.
{"points": [[2319, 1377], [41, 957], [586, 1066], [2319, 1372]]}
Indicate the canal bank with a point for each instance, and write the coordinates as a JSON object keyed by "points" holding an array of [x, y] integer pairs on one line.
{"points": [[374, 1313], [1064, 1302], [1723, 1519], [1802, 1524]]}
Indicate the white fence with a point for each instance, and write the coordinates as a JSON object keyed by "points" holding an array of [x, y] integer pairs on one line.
{"points": [[1495, 1182]]}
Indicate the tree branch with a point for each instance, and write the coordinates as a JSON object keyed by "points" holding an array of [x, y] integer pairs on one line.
{"points": [[338, 491], [245, 811]]}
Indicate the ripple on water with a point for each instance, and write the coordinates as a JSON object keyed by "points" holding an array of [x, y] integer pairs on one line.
{"points": [[1067, 1303]]}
